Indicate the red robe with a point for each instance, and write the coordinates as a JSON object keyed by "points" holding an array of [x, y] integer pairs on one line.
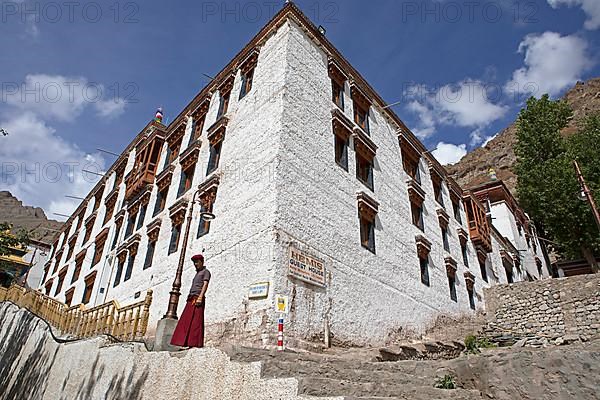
{"points": [[190, 328]]}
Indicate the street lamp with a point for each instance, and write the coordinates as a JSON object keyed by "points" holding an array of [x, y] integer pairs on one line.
{"points": [[175, 292]]}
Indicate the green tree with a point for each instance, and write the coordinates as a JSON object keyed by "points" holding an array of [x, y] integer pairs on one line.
{"points": [[547, 184]]}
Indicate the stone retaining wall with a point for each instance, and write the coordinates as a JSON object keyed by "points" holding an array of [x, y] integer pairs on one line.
{"points": [[556, 310]]}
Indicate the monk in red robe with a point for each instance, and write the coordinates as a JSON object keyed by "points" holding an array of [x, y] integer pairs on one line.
{"points": [[190, 328]]}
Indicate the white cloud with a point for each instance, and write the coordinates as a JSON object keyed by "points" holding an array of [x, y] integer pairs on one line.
{"points": [[552, 63], [447, 153], [61, 98], [110, 108], [477, 138], [465, 104], [590, 7], [40, 168]]}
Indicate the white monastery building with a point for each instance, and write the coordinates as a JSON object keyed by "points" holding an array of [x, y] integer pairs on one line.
{"points": [[320, 195]]}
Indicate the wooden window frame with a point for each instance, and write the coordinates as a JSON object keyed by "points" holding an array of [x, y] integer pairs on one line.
{"points": [[341, 147], [364, 166], [69, 296], [424, 268], [89, 288], [214, 157], [417, 208], [452, 287], [149, 257], [337, 93], [186, 179], [61, 280], [161, 201], [367, 213], [174, 239], [247, 80], [141, 216]]}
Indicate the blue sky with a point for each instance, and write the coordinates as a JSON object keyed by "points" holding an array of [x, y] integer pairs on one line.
{"points": [[77, 78]]}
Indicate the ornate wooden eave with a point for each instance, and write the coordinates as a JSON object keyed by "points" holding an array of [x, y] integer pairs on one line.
{"points": [[469, 280], [80, 256], [415, 193], [463, 236], [227, 85], [342, 126], [190, 156], [423, 246], [367, 206], [122, 253], [451, 265], [250, 61], [202, 109], [481, 254], [133, 244], [102, 235], [176, 134], [209, 186], [443, 217], [216, 132], [335, 72], [506, 256], [111, 198], [142, 198], [164, 178], [177, 211], [359, 96], [153, 229], [119, 216], [89, 221], [408, 147], [363, 143]]}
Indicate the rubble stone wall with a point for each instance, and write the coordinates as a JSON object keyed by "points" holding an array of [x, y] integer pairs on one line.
{"points": [[551, 309]]}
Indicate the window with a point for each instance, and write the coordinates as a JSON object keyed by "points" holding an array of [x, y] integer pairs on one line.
{"points": [[149, 254], [341, 152], [337, 89], [48, 286], [223, 104], [465, 256], [361, 116], [61, 279], [174, 242], [77, 270], [417, 215], [437, 189], [88, 230], [161, 201], [142, 216], [456, 208], [185, 182], [120, 264], [129, 269], [99, 248], [117, 233], [410, 160], [204, 225], [215, 155], [247, 78], [167, 157], [89, 286], [197, 126], [483, 270], [452, 285], [445, 239], [367, 234], [69, 296], [71, 247], [538, 263], [130, 225], [172, 153], [509, 274], [364, 170], [424, 263], [471, 293], [109, 212]]}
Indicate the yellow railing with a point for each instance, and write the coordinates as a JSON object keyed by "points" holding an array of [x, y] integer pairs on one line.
{"points": [[126, 323]]}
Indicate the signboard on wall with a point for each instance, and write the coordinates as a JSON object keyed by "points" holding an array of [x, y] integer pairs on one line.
{"points": [[281, 304], [258, 290], [306, 267]]}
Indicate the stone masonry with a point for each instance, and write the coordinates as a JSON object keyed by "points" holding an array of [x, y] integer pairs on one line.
{"points": [[557, 310]]}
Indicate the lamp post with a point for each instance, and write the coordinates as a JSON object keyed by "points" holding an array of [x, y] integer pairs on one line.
{"points": [[175, 292], [586, 193]]}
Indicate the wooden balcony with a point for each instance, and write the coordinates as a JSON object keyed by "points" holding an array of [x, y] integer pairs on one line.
{"points": [[479, 227]]}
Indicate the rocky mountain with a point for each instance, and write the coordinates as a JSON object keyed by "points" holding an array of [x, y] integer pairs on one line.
{"points": [[29, 218], [499, 154]]}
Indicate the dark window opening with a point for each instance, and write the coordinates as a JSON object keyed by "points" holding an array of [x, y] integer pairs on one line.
{"points": [[364, 171], [452, 285], [204, 225], [223, 104], [161, 201], [417, 215], [213, 160], [337, 93], [465, 256], [119, 272], [116, 238], [471, 298], [149, 255], [367, 234], [129, 269], [130, 225], [445, 239], [361, 117], [89, 286], [341, 152], [185, 182], [247, 79], [142, 216], [483, 270], [424, 263], [174, 242]]}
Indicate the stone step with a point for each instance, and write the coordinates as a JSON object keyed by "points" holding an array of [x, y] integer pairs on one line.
{"points": [[350, 371], [322, 387]]}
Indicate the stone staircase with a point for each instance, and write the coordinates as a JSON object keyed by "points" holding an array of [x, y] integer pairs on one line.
{"points": [[355, 376]]}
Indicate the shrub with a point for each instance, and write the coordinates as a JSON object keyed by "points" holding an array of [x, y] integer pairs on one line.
{"points": [[473, 344], [447, 382]]}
